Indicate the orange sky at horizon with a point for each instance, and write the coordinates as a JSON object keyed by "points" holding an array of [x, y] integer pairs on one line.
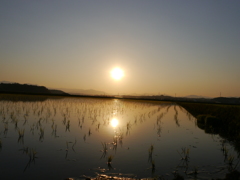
{"points": [[163, 47]]}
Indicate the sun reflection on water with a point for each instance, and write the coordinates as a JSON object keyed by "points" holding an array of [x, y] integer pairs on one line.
{"points": [[114, 122]]}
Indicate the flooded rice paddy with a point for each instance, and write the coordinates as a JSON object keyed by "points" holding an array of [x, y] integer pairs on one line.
{"points": [[58, 138]]}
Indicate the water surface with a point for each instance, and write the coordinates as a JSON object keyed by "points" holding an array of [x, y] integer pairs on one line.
{"points": [[46, 138]]}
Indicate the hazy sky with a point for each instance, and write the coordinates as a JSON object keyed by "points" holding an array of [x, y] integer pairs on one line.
{"points": [[164, 46]]}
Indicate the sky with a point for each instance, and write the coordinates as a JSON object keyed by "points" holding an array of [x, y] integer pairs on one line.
{"points": [[172, 47]]}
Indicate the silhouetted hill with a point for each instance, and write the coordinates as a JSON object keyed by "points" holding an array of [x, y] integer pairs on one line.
{"points": [[6, 82], [28, 89], [23, 88]]}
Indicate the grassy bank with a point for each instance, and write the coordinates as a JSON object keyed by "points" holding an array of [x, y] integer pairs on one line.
{"points": [[217, 119]]}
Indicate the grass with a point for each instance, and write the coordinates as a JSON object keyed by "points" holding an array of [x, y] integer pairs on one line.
{"points": [[109, 162], [68, 126], [128, 126], [104, 150], [225, 151], [67, 145], [195, 171], [24, 150], [54, 130], [32, 154], [21, 133], [153, 166], [115, 142], [223, 119], [16, 124], [75, 142], [98, 126], [41, 134], [5, 128], [120, 137], [32, 129], [230, 160], [159, 117], [223, 145], [185, 154], [89, 132], [150, 152]]}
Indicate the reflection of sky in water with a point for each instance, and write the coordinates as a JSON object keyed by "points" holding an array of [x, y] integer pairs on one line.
{"points": [[76, 131]]}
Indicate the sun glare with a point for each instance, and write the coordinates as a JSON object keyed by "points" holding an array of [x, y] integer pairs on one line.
{"points": [[117, 73], [114, 122]]}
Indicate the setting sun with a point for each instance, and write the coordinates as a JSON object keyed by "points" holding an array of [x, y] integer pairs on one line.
{"points": [[117, 73]]}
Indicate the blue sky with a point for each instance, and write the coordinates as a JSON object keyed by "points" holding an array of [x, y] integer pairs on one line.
{"points": [[183, 47]]}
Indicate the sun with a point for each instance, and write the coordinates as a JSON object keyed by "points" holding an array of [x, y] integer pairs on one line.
{"points": [[117, 73]]}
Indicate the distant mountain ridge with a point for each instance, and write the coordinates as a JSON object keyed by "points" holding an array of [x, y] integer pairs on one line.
{"points": [[10, 87], [83, 92]]}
